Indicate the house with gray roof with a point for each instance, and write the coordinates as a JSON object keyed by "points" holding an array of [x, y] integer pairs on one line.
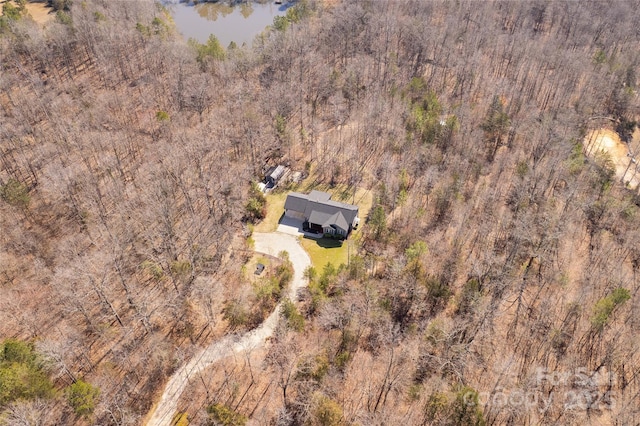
{"points": [[322, 213]]}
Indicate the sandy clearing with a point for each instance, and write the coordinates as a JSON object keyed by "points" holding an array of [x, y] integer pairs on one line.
{"points": [[38, 10], [608, 141], [271, 244]]}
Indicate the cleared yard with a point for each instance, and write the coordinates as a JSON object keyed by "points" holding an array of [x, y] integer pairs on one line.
{"points": [[326, 250], [364, 201], [275, 209], [323, 250], [275, 204], [248, 270]]}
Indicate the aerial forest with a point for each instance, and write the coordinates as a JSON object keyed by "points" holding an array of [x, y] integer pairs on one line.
{"points": [[493, 282]]}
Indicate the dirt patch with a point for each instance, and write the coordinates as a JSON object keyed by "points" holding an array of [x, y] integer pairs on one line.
{"points": [[38, 11], [625, 164]]}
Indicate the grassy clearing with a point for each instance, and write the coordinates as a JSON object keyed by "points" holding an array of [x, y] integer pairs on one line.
{"points": [[364, 201], [326, 250], [275, 209], [363, 198], [250, 267]]}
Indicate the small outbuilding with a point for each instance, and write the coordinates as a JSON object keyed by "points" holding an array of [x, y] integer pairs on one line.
{"points": [[273, 176]]}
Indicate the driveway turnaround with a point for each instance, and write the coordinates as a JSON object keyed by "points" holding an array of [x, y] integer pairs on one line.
{"points": [[271, 243], [289, 225]]}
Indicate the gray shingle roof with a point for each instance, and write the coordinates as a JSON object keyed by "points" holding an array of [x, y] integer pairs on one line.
{"points": [[296, 202], [339, 221], [319, 209], [326, 220], [319, 196]]}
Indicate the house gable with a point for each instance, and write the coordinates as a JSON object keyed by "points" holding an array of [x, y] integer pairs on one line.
{"points": [[318, 209]]}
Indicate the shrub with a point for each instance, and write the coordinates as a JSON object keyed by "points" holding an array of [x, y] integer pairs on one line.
{"points": [[153, 269], [465, 409], [605, 307], [280, 23], [295, 320], [11, 12], [436, 406], [180, 268], [415, 250], [600, 57], [322, 368], [15, 193], [82, 397], [378, 220], [162, 116], [256, 207], [468, 297], [439, 293], [60, 4], [22, 375], [63, 18], [357, 268], [211, 49], [220, 414], [284, 275], [235, 314], [327, 412]]}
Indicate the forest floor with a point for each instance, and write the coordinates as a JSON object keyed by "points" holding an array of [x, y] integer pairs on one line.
{"points": [[265, 243], [621, 154]]}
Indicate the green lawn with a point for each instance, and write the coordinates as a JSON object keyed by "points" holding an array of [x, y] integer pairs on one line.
{"points": [[275, 209], [326, 250]]}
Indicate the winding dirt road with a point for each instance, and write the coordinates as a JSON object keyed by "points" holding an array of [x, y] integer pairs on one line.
{"points": [[272, 244]]}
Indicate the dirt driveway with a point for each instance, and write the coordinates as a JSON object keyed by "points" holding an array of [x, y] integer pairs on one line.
{"points": [[268, 243]]}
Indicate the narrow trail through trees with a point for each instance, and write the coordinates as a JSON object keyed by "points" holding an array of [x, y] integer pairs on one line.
{"points": [[267, 243]]}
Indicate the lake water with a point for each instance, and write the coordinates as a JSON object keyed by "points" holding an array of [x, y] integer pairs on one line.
{"points": [[239, 22]]}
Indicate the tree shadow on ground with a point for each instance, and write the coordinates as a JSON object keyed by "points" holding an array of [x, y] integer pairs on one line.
{"points": [[326, 242]]}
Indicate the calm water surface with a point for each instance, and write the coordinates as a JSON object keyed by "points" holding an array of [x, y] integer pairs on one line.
{"points": [[239, 23]]}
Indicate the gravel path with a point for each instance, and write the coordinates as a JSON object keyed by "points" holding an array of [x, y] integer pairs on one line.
{"points": [[271, 243]]}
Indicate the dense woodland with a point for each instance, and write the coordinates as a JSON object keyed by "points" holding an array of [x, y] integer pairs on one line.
{"points": [[499, 260]]}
